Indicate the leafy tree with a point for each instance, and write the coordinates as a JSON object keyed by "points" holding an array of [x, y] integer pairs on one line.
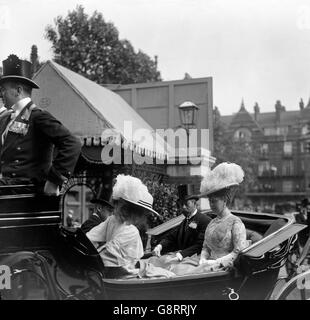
{"points": [[242, 152], [165, 200], [91, 46]]}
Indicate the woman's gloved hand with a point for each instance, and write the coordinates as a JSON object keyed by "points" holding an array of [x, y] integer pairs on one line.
{"points": [[206, 262], [157, 250]]}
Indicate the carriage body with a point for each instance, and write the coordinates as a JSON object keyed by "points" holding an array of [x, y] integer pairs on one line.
{"points": [[49, 261]]}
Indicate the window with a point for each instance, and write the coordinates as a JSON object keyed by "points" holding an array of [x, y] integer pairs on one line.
{"points": [[305, 129], [288, 148], [307, 146], [276, 131], [287, 186], [287, 167], [270, 131], [263, 166], [273, 170], [302, 165], [264, 149], [268, 187], [242, 134], [283, 131]]}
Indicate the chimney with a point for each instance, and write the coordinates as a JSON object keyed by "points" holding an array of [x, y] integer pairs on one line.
{"points": [[156, 61], [301, 104], [279, 109], [256, 111]]}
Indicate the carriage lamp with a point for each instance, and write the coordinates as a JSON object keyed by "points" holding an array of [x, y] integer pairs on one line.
{"points": [[188, 114]]}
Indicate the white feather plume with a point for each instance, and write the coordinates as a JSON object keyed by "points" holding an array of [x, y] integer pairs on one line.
{"points": [[130, 188], [223, 175]]}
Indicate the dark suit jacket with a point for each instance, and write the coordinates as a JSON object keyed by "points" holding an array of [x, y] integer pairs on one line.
{"points": [[186, 239], [28, 148], [92, 222]]}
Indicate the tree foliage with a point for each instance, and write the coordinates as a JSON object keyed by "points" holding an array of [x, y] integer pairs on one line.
{"points": [[91, 46], [165, 198], [241, 152]]}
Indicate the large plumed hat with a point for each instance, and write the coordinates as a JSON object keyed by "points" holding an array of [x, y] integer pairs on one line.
{"points": [[223, 176], [133, 190], [15, 69]]}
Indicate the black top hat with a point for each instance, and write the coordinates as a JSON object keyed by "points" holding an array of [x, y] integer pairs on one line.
{"points": [[183, 194], [103, 202], [15, 69], [192, 197]]}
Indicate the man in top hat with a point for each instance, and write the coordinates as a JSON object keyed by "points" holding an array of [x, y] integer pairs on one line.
{"points": [[187, 238], [102, 210], [29, 135]]}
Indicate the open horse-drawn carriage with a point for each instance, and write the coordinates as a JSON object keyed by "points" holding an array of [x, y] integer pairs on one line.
{"points": [[49, 261]]}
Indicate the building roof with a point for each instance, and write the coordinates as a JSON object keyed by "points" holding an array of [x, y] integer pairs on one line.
{"points": [[112, 109], [243, 117], [266, 119]]}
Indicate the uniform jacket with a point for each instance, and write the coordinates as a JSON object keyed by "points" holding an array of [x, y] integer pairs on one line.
{"points": [[28, 149], [188, 237]]}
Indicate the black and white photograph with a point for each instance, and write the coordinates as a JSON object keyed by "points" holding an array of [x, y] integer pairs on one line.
{"points": [[154, 154]]}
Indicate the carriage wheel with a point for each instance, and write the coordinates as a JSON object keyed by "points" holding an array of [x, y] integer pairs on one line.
{"points": [[292, 259], [27, 279], [298, 288]]}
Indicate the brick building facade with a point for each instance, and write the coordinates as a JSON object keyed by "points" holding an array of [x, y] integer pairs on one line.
{"points": [[283, 140]]}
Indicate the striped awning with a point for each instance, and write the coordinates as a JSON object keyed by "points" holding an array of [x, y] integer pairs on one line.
{"points": [[101, 112]]}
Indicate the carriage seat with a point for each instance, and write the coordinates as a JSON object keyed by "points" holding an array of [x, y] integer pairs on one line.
{"points": [[253, 236], [275, 225]]}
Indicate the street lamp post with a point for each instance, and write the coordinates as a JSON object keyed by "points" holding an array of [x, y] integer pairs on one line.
{"points": [[198, 159], [188, 114]]}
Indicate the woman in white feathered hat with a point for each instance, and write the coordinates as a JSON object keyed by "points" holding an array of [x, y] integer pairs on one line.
{"points": [[122, 244], [225, 235]]}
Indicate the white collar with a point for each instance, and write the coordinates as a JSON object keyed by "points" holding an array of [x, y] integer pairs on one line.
{"points": [[3, 109], [191, 216], [20, 105]]}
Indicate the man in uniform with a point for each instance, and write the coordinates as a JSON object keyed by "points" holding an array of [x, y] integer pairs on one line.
{"points": [[34, 146]]}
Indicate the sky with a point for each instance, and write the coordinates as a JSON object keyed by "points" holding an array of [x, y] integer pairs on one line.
{"points": [[256, 50]]}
